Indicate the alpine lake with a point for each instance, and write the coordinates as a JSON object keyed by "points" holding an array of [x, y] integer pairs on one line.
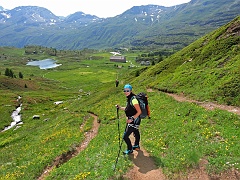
{"points": [[44, 64]]}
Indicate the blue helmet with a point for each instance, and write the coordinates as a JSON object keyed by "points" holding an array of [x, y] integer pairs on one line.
{"points": [[128, 86]]}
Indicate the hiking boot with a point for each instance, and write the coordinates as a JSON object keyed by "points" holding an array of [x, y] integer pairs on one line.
{"points": [[128, 151], [136, 147]]}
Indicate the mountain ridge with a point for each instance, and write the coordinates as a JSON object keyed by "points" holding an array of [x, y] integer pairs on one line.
{"points": [[150, 26]]}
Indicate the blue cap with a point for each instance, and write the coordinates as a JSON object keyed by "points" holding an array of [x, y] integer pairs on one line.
{"points": [[128, 86]]}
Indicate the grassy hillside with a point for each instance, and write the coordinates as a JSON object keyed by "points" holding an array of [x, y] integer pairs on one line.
{"points": [[179, 135], [37, 142], [208, 69]]}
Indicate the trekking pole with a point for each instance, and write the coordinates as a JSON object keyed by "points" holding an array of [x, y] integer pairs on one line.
{"points": [[118, 126], [120, 147]]}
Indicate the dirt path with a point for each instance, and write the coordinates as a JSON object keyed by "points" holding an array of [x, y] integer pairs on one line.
{"points": [[207, 105], [66, 157], [144, 167]]}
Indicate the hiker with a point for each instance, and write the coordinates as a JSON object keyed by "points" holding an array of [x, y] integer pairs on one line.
{"points": [[132, 111], [117, 82]]}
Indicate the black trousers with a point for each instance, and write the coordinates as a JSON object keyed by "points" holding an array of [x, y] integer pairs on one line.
{"points": [[130, 130]]}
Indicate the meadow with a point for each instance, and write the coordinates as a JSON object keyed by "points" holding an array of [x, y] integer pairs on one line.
{"points": [[178, 136]]}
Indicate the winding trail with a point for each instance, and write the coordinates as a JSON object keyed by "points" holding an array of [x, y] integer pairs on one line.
{"points": [[144, 167], [206, 105], [70, 154]]}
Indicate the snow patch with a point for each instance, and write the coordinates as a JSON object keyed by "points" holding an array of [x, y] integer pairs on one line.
{"points": [[6, 15]]}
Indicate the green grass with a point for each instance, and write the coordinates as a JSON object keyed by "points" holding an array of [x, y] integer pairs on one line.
{"points": [[38, 142], [178, 135], [207, 69], [97, 161], [8, 103]]}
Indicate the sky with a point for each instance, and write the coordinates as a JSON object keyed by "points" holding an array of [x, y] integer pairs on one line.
{"points": [[100, 8]]}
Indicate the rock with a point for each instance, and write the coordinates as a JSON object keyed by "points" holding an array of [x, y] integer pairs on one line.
{"points": [[36, 117], [58, 102]]}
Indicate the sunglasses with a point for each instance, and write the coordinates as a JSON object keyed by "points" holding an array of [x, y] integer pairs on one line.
{"points": [[126, 90]]}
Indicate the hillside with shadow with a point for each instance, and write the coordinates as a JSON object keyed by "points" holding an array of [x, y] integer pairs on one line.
{"points": [[206, 70]]}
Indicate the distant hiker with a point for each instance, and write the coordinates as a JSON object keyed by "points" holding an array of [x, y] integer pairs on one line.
{"points": [[132, 111], [117, 82]]}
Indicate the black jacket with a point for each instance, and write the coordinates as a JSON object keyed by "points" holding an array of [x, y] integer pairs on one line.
{"points": [[130, 109]]}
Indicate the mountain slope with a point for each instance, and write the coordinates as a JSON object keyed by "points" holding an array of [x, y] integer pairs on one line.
{"points": [[28, 16], [187, 22], [207, 69], [155, 26], [150, 26]]}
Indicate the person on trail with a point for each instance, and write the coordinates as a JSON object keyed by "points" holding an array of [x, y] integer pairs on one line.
{"points": [[117, 82], [133, 120]]}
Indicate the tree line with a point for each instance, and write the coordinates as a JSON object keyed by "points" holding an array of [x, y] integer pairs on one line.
{"points": [[10, 73]]}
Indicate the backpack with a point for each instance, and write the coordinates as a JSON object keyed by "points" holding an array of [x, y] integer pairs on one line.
{"points": [[143, 103]]}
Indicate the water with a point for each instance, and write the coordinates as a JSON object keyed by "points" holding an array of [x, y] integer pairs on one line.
{"points": [[44, 64], [16, 116]]}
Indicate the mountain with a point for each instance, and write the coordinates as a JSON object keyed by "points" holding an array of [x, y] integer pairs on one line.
{"points": [[80, 18], [207, 69], [150, 26], [37, 16], [187, 22]]}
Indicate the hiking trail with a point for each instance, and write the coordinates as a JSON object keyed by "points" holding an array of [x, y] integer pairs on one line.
{"points": [[206, 105], [144, 167], [89, 135]]}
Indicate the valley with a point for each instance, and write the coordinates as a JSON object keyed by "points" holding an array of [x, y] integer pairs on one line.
{"points": [[182, 139]]}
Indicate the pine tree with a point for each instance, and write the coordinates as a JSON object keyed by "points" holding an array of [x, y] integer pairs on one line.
{"points": [[20, 75], [7, 72], [11, 74]]}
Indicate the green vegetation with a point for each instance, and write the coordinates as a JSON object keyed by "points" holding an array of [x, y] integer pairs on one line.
{"points": [[178, 136], [187, 134], [208, 69]]}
